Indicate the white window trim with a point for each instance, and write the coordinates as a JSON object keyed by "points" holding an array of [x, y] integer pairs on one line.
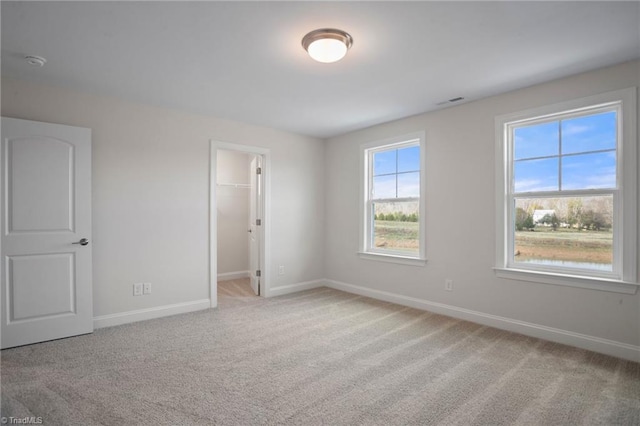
{"points": [[365, 218], [627, 282]]}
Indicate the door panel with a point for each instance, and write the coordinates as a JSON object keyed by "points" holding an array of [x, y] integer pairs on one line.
{"points": [[46, 209], [39, 191], [28, 299]]}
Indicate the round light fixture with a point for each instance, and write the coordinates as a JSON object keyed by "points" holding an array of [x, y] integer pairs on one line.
{"points": [[327, 44]]}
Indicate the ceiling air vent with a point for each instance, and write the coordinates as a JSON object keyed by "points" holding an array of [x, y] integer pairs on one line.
{"points": [[450, 101]]}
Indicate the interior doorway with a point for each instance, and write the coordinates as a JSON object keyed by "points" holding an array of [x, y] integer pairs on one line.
{"points": [[239, 217]]}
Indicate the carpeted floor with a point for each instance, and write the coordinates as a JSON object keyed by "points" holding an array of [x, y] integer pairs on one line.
{"points": [[316, 357]]}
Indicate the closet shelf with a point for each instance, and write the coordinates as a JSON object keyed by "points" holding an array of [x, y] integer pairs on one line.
{"points": [[235, 185]]}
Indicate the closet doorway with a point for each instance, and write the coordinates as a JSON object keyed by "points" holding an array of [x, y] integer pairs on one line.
{"points": [[239, 210]]}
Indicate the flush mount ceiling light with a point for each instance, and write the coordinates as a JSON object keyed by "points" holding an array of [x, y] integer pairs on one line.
{"points": [[327, 44]]}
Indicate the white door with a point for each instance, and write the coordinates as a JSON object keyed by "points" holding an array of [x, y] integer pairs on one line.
{"points": [[255, 221], [46, 232]]}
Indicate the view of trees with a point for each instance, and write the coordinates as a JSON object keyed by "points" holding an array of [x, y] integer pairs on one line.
{"points": [[397, 217], [581, 213], [524, 220]]}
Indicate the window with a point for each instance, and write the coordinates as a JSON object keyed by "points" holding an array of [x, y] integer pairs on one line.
{"points": [[567, 191], [393, 224]]}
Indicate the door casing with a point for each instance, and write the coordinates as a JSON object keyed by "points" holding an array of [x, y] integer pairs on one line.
{"points": [[265, 229], [255, 215]]}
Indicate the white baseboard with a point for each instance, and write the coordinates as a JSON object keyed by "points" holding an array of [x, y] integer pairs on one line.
{"points": [[592, 343], [292, 288], [149, 313], [233, 275]]}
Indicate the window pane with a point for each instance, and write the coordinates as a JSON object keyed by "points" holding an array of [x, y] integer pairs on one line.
{"points": [[591, 133], [396, 227], [573, 232], [384, 187], [409, 185], [589, 171], [384, 162], [539, 140], [409, 159], [536, 175]]}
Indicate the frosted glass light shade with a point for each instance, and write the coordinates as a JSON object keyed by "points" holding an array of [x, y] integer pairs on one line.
{"points": [[327, 50], [327, 45]]}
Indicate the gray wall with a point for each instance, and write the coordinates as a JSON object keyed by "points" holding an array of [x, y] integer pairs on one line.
{"points": [[460, 218], [233, 212], [151, 194]]}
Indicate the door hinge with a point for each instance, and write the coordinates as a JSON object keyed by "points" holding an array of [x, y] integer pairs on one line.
{"points": [[259, 171], [258, 222], [258, 273]]}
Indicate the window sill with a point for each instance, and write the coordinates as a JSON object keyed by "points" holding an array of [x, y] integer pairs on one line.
{"points": [[390, 258], [592, 283]]}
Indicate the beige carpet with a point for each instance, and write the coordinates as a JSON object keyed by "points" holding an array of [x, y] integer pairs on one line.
{"points": [[317, 357]]}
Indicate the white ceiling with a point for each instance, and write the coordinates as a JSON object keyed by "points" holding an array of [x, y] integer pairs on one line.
{"points": [[244, 61]]}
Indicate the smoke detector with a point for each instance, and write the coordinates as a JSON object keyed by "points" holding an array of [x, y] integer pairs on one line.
{"points": [[35, 61]]}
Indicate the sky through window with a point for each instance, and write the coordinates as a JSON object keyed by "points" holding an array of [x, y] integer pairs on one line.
{"points": [[569, 154]]}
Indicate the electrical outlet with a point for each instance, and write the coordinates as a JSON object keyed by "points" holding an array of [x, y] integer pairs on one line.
{"points": [[448, 284], [146, 288], [137, 289], [281, 270]]}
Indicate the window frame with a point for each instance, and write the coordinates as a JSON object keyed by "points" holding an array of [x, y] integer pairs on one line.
{"points": [[623, 278], [366, 249]]}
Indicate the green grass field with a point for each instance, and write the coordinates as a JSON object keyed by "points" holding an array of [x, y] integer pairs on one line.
{"points": [[401, 236], [565, 245]]}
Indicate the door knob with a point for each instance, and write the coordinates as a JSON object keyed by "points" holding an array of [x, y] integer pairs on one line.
{"points": [[82, 242]]}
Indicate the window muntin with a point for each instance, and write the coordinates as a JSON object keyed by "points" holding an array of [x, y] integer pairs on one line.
{"points": [[563, 196], [396, 172], [393, 224], [566, 153]]}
